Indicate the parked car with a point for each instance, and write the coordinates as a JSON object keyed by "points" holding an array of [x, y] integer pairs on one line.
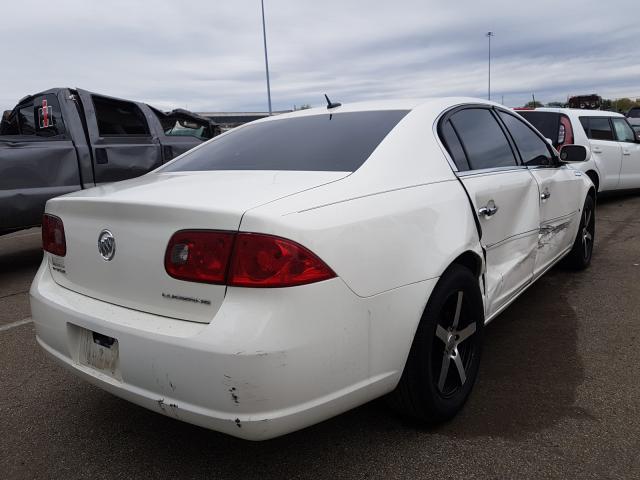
{"points": [[633, 116], [613, 158], [62, 140], [301, 265]]}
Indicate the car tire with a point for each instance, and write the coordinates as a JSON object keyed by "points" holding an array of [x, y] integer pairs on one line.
{"points": [[445, 355], [580, 255]]}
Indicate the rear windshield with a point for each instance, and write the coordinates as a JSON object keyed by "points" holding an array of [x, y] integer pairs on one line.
{"points": [[547, 123], [339, 142]]}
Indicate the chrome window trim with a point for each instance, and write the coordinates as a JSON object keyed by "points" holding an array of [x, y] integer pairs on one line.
{"points": [[490, 171]]}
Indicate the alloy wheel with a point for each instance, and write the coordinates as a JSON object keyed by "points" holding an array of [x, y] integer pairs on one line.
{"points": [[588, 224], [454, 346]]}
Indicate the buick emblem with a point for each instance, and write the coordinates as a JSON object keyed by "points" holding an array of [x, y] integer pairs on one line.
{"points": [[106, 245]]}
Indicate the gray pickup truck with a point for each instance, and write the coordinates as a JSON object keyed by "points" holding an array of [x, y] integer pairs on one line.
{"points": [[62, 140]]}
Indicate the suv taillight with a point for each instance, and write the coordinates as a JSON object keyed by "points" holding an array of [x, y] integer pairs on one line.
{"points": [[53, 240], [242, 260]]}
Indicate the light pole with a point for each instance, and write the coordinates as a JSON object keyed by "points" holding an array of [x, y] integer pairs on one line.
{"points": [[489, 35], [266, 58]]}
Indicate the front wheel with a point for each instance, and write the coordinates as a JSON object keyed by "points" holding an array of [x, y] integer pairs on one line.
{"points": [[444, 358], [579, 257]]}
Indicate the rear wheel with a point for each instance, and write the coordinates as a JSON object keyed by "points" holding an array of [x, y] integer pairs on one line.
{"points": [[444, 358], [579, 257]]}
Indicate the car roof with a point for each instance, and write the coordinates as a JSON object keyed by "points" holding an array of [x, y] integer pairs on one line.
{"points": [[576, 111], [435, 104]]}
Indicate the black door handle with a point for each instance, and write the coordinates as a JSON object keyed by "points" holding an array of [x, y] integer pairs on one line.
{"points": [[101, 156]]}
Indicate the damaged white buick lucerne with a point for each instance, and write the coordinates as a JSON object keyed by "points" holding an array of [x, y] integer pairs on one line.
{"points": [[301, 265]]}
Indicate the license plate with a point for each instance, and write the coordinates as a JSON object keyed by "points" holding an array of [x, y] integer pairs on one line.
{"points": [[100, 352]]}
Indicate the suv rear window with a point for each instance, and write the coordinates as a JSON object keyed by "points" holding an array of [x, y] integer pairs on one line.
{"points": [[339, 142], [547, 123]]}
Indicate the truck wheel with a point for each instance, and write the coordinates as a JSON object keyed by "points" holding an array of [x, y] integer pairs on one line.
{"points": [[444, 358], [579, 257]]}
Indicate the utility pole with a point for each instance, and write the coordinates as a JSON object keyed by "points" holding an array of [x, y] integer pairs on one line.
{"points": [[266, 58], [534, 100], [489, 35]]}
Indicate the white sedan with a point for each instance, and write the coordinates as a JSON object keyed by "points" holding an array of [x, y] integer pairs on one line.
{"points": [[298, 266]]}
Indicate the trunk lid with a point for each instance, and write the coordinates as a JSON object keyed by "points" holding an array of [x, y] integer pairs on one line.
{"points": [[142, 214]]}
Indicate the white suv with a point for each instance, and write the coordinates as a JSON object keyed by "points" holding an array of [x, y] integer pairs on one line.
{"points": [[613, 147]]}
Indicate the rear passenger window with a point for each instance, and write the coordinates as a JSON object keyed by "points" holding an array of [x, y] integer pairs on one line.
{"points": [[482, 139], [116, 117], [40, 117], [451, 141], [597, 128], [533, 150]]}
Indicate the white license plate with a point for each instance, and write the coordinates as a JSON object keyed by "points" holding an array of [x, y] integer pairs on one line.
{"points": [[100, 352]]}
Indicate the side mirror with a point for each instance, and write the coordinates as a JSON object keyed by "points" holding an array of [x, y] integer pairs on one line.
{"points": [[573, 153]]}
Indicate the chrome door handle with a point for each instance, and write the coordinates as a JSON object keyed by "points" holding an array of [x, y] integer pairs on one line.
{"points": [[489, 209], [544, 195]]}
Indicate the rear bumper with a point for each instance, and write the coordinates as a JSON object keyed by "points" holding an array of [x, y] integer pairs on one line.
{"points": [[271, 361]]}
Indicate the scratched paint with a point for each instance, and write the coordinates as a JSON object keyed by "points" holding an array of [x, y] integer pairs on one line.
{"points": [[548, 233]]}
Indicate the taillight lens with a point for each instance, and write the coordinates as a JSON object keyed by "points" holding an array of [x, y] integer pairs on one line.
{"points": [[267, 261], [242, 260], [53, 240], [199, 255]]}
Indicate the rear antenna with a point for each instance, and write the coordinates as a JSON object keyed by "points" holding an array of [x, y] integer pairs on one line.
{"points": [[330, 104]]}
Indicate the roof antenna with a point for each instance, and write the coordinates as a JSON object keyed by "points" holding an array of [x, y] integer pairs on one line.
{"points": [[330, 104]]}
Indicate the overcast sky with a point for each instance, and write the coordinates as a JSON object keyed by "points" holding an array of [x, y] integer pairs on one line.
{"points": [[208, 55]]}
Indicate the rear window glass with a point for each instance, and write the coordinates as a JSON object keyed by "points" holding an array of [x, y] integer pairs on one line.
{"points": [[547, 123], [40, 116], [339, 142]]}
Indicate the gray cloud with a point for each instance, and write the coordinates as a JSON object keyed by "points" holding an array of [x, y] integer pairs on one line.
{"points": [[208, 55]]}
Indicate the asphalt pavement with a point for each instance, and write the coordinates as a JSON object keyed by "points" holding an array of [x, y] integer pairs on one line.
{"points": [[558, 395]]}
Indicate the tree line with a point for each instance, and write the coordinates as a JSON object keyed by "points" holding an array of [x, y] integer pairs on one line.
{"points": [[621, 105]]}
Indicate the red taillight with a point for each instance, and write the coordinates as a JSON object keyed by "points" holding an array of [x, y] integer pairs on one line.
{"points": [[267, 261], [199, 255], [242, 260], [53, 240]]}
